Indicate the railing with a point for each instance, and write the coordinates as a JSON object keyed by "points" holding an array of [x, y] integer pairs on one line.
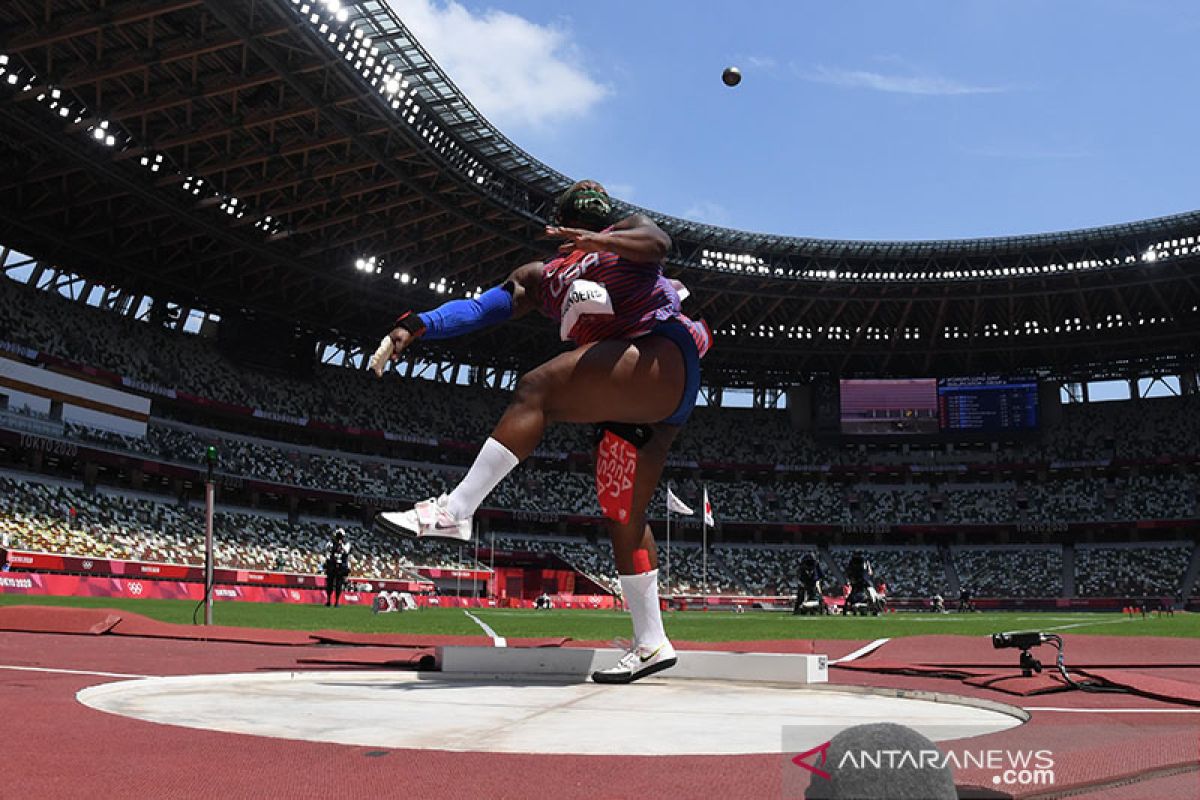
{"points": [[29, 423]]}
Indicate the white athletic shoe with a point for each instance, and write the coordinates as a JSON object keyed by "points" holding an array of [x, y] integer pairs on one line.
{"points": [[638, 662], [428, 519]]}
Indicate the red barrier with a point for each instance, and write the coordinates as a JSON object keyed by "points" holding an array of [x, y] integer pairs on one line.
{"points": [[52, 562], [579, 601], [89, 586], [36, 583], [465, 574]]}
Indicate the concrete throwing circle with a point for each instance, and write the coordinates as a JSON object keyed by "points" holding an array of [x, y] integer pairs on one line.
{"points": [[651, 717]]}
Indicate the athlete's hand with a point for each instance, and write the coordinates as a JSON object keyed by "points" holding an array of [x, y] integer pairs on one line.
{"points": [[577, 239], [389, 350]]}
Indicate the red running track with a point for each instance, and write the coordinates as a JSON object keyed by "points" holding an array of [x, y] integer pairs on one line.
{"points": [[55, 747]]}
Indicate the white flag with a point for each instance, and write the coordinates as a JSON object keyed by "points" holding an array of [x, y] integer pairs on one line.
{"points": [[708, 517], [677, 505]]}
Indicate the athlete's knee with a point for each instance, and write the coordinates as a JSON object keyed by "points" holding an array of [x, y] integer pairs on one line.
{"points": [[641, 560]]}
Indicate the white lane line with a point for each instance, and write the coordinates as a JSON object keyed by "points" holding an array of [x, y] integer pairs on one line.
{"points": [[74, 672], [498, 641], [1114, 710], [862, 651], [1086, 624]]}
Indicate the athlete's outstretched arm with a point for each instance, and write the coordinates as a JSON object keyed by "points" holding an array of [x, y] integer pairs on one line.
{"points": [[636, 238], [516, 297]]}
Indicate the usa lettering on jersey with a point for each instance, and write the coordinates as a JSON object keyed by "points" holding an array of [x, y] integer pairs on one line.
{"points": [[573, 267], [639, 297]]}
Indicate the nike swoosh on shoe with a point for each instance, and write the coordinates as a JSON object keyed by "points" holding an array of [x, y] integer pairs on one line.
{"points": [[652, 655]]}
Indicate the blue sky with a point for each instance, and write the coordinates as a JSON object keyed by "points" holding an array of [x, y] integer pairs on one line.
{"points": [[855, 119]]}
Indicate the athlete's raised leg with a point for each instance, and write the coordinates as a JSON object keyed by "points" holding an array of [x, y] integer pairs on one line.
{"points": [[636, 381]]}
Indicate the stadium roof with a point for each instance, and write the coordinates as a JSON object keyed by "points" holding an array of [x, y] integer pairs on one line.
{"points": [[311, 160]]}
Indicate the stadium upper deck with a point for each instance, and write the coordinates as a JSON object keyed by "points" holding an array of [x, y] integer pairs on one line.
{"points": [[311, 161]]}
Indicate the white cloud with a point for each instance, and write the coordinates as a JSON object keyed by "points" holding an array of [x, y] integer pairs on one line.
{"points": [[895, 83], [708, 212], [761, 62], [520, 75]]}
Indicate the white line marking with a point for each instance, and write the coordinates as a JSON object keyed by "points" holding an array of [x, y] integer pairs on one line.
{"points": [[75, 672], [1114, 710], [498, 641], [1085, 624], [862, 651]]}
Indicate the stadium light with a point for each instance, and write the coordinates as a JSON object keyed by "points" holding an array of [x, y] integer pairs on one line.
{"points": [[104, 134]]}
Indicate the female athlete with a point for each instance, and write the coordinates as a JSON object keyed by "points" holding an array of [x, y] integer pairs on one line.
{"points": [[635, 372]]}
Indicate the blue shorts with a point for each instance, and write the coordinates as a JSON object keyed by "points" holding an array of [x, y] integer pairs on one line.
{"points": [[678, 333]]}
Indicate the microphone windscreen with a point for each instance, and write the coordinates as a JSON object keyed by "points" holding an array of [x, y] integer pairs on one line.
{"points": [[871, 762]]}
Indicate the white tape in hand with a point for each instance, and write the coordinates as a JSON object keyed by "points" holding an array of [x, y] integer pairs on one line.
{"points": [[379, 361]]}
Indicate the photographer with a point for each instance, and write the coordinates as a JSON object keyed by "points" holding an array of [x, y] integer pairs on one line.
{"points": [[965, 600], [863, 598], [809, 598], [337, 567]]}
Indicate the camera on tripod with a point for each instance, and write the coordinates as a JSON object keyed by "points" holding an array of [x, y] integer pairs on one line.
{"points": [[1022, 640]]}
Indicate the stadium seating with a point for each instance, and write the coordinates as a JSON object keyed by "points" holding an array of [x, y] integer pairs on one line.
{"points": [[63, 519], [781, 500], [157, 357], [1135, 571], [1015, 571], [765, 570], [1068, 481]]}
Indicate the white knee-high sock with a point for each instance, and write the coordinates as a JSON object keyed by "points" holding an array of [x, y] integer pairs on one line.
{"points": [[491, 465], [641, 595]]}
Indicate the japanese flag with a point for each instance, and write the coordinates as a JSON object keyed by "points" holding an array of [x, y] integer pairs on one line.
{"points": [[708, 515]]}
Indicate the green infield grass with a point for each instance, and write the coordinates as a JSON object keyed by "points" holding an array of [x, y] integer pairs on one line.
{"points": [[696, 626]]}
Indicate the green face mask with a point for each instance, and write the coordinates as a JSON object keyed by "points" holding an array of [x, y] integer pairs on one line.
{"points": [[590, 209]]}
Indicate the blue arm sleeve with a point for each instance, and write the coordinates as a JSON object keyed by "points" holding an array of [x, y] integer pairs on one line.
{"points": [[460, 317]]}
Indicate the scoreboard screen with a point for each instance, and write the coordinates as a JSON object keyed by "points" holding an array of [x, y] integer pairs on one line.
{"points": [[987, 404], [888, 407]]}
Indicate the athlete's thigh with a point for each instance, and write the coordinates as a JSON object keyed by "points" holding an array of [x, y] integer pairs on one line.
{"points": [[638, 381]]}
